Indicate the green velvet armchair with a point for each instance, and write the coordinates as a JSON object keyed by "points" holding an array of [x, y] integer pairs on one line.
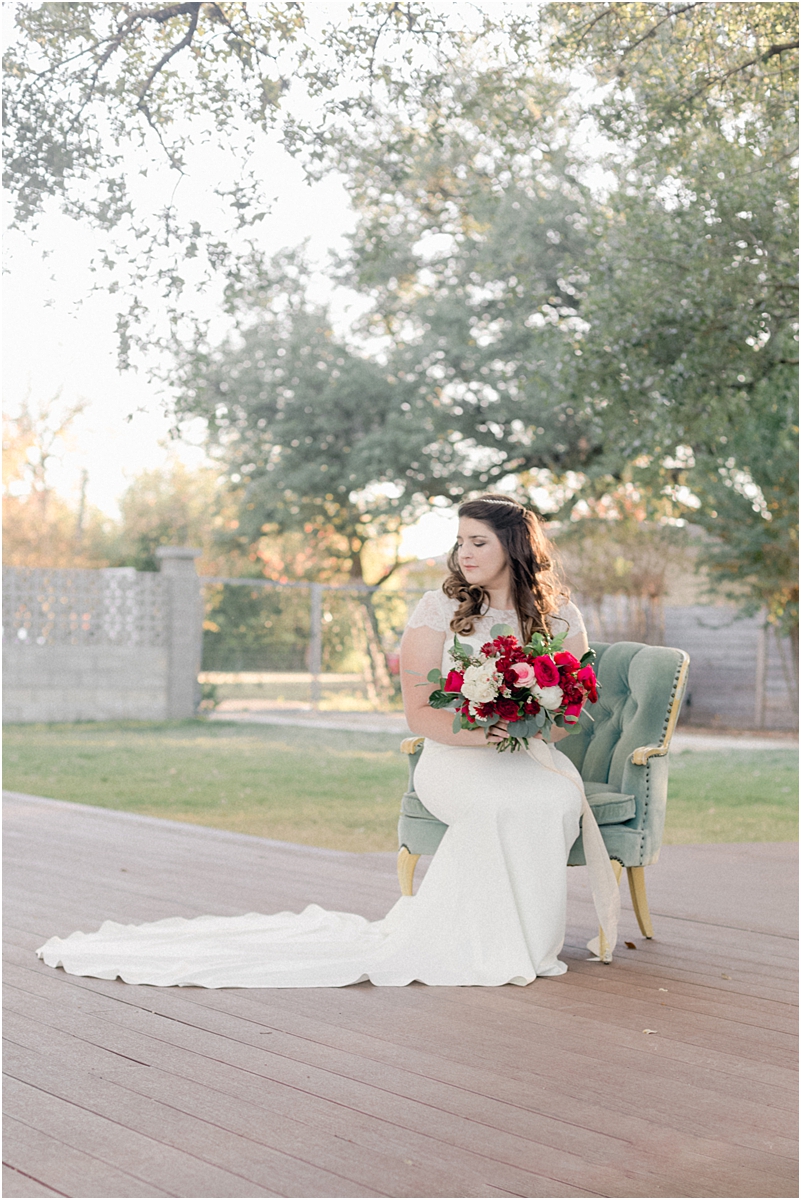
{"points": [[622, 754]]}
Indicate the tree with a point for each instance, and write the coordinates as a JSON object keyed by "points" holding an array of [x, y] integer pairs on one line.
{"points": [[661, 321], [174, 505], [691, 352], [557, 324], [40, 528], [105, 105], [318, 437]]}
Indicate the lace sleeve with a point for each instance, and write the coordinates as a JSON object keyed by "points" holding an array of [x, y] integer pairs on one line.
{"points": [[569, 620], [431, 612]]}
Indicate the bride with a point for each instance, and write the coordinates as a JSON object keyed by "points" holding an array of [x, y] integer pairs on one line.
{"points": [[491, 909]]}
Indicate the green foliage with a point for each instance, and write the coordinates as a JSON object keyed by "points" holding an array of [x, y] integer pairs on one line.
{"points": [[320, 438], [590, 317], [258, 629], [171, 506], [750, 507], [86, 84], [676, 69]]}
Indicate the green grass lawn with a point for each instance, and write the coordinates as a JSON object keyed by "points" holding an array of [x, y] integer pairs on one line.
{"points": [[335, 789]]}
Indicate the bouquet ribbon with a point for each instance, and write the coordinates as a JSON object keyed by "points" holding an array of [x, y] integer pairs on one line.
{"points": [[603, 885]]}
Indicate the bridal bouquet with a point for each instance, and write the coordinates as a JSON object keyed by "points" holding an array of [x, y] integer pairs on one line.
{"points": [[531, 687]]}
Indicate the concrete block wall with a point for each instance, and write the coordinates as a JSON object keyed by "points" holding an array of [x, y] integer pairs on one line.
{"points": [[102, 645], [84, 683]]}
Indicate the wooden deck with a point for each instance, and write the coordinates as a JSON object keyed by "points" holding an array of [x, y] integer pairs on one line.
{"points": [[551, 1090]]}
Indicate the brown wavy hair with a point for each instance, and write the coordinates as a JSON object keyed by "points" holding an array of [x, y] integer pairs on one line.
{"points": [[537, 589]]}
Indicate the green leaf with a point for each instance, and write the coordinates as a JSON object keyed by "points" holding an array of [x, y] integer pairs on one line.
{"points": [[501, 630], [434, 676], [457, 723], [462, 652]]}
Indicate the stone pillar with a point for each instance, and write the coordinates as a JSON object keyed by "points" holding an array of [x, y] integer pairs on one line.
{"points": [[185, 628]]}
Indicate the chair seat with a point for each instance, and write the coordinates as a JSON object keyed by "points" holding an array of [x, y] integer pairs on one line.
{"points": [[608, 807], [412, 807]]}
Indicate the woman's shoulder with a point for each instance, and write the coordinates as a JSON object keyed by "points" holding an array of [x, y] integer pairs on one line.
{"points": [[434, 611], [568, 619]]}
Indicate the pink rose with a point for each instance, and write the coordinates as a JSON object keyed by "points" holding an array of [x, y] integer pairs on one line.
{"points": [[572, 712], [454, 681], [546, 671], [524, 674]]}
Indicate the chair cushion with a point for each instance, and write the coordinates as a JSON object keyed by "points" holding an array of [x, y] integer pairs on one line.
{"points": [[608, 807]]}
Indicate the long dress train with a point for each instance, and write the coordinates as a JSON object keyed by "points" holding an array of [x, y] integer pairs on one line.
{"points": [[491, 909]]}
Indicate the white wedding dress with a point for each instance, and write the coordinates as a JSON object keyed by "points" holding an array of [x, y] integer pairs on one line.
{"points": [[491, 909]]}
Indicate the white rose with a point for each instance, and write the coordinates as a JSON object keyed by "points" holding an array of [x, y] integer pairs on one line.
{"points": [[480, 683], [550, 697]]}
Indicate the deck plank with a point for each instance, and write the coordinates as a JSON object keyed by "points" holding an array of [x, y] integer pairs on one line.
{"points": [[551, 1090]]}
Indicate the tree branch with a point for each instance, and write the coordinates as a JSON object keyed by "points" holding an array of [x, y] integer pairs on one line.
{"points": [[676, 12], [186, 40], [776, 49]]}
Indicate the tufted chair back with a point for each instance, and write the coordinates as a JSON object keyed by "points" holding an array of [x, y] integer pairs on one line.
{"points": [[637, 685]]}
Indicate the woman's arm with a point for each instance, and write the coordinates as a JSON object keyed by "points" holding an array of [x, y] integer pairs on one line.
{"points": [[421, 649]]}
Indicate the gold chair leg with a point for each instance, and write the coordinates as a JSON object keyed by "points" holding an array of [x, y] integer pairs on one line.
{"points": [[639, 900], [605, 953], [406, 864]]}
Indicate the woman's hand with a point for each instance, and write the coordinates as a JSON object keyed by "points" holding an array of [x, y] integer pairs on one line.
{"points": [[557, 734], [498, 733]]}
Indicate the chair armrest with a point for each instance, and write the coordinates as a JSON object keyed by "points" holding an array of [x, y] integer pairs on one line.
{"points": [[411, 745], [641, 755]]}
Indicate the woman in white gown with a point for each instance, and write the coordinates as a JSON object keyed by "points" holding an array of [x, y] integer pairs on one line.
{"points": [[491, 908]]}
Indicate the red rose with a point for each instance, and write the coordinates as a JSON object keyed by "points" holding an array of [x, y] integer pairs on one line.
{"points": [[566, 660], [531, 707], [546, 671], [454, 681], [506, 710], [586, 677], [573, 693], [572, 713]]}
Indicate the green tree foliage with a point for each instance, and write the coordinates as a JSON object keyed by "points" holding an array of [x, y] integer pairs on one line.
{"points": [[692, 313], [105, 106], [532, 313], [321, 439], [175, 505]]}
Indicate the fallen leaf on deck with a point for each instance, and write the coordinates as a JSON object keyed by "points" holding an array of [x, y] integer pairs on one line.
{"points": [[631, 945], [663, 989], [649, 1031], [725, 977]]}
